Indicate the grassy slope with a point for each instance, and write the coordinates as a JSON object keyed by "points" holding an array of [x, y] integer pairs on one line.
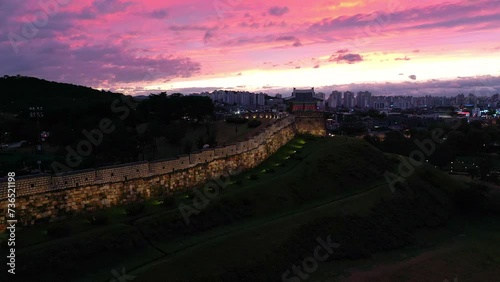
{"points": [[467, 249], [315, 188], [322, 178]]}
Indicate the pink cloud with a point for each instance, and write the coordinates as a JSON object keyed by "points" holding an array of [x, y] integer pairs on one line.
{"points": [[349, 58], [109, 42]]}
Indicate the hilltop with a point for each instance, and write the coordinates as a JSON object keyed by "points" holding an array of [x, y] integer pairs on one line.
{"points": [[257, 226], [22, 92]]}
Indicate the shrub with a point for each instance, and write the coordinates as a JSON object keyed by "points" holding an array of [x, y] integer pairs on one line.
{"points": [[254, 177], [270, 170], [471, 199], [134, 209], [59, 230], [98, 218], [4, 245], [73, 252], [354, 252], [254, 123], [169, 201], [190, 194]]}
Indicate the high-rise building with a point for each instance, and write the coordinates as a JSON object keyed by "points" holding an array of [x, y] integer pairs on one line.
{"points": [[244, 98], [348, 99], [260, 99], [363, 99], [379, 102], [335, 99]]}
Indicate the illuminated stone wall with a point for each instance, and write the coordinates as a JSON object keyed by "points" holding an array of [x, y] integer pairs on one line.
{"points": [[313, 123], [46, 197]]}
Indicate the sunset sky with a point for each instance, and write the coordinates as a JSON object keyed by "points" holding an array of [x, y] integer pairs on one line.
{"points": [[137, 47]]}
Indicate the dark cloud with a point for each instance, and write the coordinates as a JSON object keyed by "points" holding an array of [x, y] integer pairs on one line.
{"points": [[342, 51], [412, 77], [286, 38], [278, 11], [111, 6], [416, 51], [209, 36], [467, 23], [296, 42], [273, 23], [349, 58], [402, 59], [94, 65], [250, 25], [480, 86], [103, 7], [446, 15], [187, 27], [180, 90], [158, 14], [316, 66]]}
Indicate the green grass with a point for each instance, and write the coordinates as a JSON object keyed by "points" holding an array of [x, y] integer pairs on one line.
{"points": [[313, 178], [249, 240], [466, 248], [280, 209]]}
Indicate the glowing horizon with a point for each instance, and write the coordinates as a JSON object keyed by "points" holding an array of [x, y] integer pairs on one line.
{"points": [[135, 47]]}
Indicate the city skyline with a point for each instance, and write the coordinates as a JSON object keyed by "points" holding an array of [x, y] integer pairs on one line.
{"points": [[196, 46]]}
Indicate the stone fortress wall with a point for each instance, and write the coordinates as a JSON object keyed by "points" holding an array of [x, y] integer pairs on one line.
{"points": [[313, 123], [52, 197]]}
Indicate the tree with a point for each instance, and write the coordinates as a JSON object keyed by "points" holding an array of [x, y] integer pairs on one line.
{"points": [[188, 146]]}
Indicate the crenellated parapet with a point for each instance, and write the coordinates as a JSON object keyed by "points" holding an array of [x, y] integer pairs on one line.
{"points": [[52, 197]]}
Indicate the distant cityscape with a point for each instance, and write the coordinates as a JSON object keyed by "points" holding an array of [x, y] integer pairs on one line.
{"points": [[349, 100]]}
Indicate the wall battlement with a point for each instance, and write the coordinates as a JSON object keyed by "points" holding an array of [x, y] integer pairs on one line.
{"points": [[313, 123], [52, 197]]}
